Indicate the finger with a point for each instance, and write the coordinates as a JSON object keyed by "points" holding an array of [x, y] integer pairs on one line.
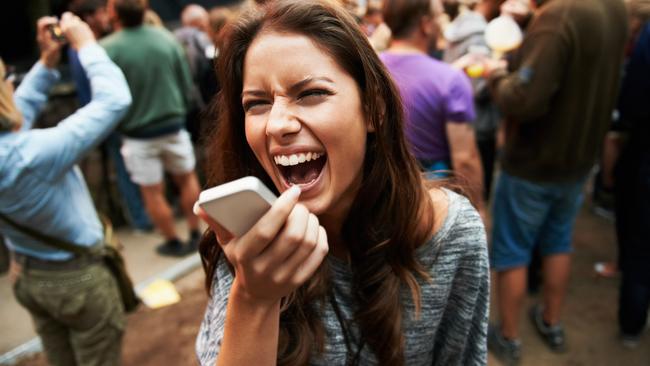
{"points": [[287, 241], [302, 252], [267, 227], [43, 22], [313, 261], [223, 235]]}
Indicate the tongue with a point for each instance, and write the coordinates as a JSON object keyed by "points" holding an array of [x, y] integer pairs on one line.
{"points": [[303, 173]]}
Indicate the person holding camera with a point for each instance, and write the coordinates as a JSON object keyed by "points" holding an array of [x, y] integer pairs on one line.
{"points": [[73, 300]]}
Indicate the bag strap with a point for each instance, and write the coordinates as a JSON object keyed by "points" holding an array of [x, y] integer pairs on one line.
{"points": [[46, 239]]}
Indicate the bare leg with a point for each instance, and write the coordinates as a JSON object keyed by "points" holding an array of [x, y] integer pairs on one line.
{"points": [[511, 289], [159, 210], [188, 185], [556, 270], [611, 152]]}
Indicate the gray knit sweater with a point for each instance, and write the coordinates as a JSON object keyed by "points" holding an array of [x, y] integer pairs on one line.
{"points": [[452, 326]]}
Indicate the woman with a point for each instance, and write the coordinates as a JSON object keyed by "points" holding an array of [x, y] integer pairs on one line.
{"points": [[73, 300], [307, 107]]}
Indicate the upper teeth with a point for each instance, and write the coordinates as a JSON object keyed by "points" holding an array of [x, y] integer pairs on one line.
{"points": [[295, 159]]}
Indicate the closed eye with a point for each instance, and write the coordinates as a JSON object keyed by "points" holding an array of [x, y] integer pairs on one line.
{"points": [[249, 105], [313, 93]]}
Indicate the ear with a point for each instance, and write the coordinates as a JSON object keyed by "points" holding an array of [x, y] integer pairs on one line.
{"points": [[426, 25]]}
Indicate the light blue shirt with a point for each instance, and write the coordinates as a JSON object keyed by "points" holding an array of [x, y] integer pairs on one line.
{"points": [[40, 184]]}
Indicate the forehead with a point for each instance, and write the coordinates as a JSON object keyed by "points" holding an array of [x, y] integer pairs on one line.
{"points": [[289, 54]]}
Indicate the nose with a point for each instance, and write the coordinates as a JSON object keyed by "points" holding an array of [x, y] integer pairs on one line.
{"points": [[282, 122]]}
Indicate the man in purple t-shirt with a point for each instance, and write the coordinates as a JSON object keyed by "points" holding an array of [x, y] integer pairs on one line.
{"points": [[438, 99]]}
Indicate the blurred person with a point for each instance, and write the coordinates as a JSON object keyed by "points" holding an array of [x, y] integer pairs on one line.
{"points": [[95, 14], [73, 300], [195, 16], [155, 139], [557, 102], [196, 43], [465, 40], [375, 28], [604, 191], [152, 18], [219, 16], [438, 99], [371, 19], [519, 10], [632, 186], [357, 262]]}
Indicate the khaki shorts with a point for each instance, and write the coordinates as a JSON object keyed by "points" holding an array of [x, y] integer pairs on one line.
{"points": [[147, 159]]}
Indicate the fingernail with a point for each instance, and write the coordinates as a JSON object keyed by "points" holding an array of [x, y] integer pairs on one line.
{"points": [[195, 209], [294, 191]]}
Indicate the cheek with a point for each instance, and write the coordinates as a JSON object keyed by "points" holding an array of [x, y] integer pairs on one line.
{"points": [[256, 138], [350, 150]]}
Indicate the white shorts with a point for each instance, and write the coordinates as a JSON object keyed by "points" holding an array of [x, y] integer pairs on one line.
{"points": [[147, 159]]}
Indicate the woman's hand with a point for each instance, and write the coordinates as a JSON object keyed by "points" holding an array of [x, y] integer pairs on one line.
{"points": [[278, 254]]}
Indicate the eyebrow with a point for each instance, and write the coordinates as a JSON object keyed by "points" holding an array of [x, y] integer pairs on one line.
{"points": [[292, 89]]}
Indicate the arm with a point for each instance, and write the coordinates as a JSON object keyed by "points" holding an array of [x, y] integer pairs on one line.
{"points": [[462, 334], [31, 95], [465, 161], [211, 335], [276, 256], [59, 148], [250, 325], [527, 92]]}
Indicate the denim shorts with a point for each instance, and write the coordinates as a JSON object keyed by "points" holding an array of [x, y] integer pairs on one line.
{"points": [[527, 214]]}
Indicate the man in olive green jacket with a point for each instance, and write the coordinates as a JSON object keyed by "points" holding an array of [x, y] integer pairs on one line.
{"points": [[557, 102]]}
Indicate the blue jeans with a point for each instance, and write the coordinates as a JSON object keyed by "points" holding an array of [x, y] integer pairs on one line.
{"points": [[435, 169], [130, 192], [527, 214]]}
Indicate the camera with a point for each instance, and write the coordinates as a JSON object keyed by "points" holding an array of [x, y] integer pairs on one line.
{"points": [[56, 32]]}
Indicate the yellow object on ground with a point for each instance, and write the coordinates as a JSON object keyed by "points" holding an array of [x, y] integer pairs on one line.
{"points": [[160, 293]]}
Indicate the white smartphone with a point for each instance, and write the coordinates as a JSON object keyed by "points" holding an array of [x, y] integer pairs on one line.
{"points": [[237, 205]]}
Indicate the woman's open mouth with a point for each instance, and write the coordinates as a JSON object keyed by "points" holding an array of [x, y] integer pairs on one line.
{"points": [[302, 168]]}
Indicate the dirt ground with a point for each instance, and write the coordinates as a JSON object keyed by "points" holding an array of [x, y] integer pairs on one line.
{"points": [[166, 336]]}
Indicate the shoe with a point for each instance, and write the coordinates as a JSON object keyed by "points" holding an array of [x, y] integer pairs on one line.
{"points": [[506, 350], [173, 248], [553, 335], [194, 240], [630, 341], [606, 269]]}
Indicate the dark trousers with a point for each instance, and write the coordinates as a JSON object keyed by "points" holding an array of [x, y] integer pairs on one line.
{"points": [[633, 234]]}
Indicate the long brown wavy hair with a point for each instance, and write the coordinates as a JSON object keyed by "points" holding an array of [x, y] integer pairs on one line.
{"points": [[391, 215]]}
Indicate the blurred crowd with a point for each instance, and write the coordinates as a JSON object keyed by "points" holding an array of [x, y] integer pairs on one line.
{"points": [[518, 103]]}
